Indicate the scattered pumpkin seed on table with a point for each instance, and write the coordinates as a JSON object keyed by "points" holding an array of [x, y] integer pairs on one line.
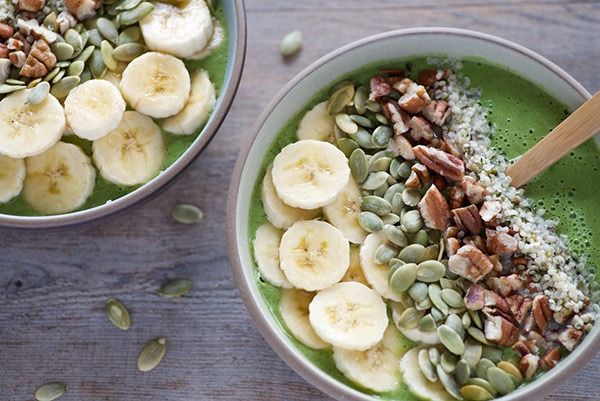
{"points": [[118, 314], [187, 214], [291, 44], [175, 288], [152, 354], [50, 391]]}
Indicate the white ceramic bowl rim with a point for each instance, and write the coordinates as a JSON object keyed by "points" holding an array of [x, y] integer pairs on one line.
{"points": [[236, 18], [238, 245]]}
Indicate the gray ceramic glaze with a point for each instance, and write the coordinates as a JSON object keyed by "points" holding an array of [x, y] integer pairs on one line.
{"points": [[236, 22], [292, 98]]}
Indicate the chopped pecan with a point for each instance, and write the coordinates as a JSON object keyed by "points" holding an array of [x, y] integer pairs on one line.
{"points": [[413, 181], [528, 365], [562, 315], [403, 85], [414, 96], [429, 77], [399, 118], [420, 129], [505, 285], [474, 191], [434, 209], [18, 58], [39, 62], [536, 342], [30, 5], [500, 331], [447, 147], [570, 337], [441, 162], [400, 146], [521, 348], [14, 44], [550, 359], [4, 69], [440, 182], [379, 88], [4, 51], [478, 297], [436, 112], [468, 218], [457, 196], [6, 31], [471, 263], [520, 261], [541, 311], [452, 246], [495, 259], [476, 241], [41, 32], [501, 242], [83, 9], [422, 172]]}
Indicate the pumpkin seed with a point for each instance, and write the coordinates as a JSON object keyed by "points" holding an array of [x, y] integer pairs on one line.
{"points": [[393, 190], [75, 68], [492, 353], [38, 93], [127, 5], [384, 253], [482, 368], [86, 75], [395, 235], [50, 391], [85, 53], [429, 271], [448, 382], [451, 339], [412, 254], [477, 381], [381, 136], [130, 34], [394, 264], [107, 29], [128, 51], [403, 277], [73, 38], [390, 218], [424, 304], [473, 392], [5, 88], [340, 99], [394, 168], [434, 355], [291, 44], [130, 17], [412, 221], [14, 82], [418, 291], [453, 321], [449, 284], [475, 318], [411, 197], [85, 36], [437, 314], [406, 301], [186, 214], [434, 291], [404, 169], [473, 352], [478, 335], [375, 107], [348, 146], [500, 380], [379, 192], [374, 181], [106, 51], [410, 318], [151, 355], [361, 120], [381, 164], [397, 203], [360, 97], [510, 369], [50, 76], [363, 138], [370, 222], [463, 372], [95, 37], [375, 204], [427, 323], [175, 288], [61, 89], [63, 51], [420, 237], [382, 119], [63, 64], [358, 165], [452, 298], [426, 366], [434, 236], [50, 21], [96, 64], [448, 362], [118, 314]]}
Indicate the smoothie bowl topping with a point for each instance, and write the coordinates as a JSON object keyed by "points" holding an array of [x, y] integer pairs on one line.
{"points": [[398, 250], [96, 99]]}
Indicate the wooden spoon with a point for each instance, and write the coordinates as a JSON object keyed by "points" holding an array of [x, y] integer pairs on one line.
{"points": [[580, 126]]}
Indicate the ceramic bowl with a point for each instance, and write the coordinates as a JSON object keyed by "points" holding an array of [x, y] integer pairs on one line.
{"points": [[236, 23], [293, 98]]}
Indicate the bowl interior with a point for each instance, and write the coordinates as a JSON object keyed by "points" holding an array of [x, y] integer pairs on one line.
{"points": [[236, 25], [404, 44]]}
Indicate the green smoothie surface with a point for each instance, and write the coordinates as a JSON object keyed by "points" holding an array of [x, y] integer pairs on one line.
{"points": [[215, 64], [522, 113]]}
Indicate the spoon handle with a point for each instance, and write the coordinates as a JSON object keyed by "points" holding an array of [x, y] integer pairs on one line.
{"points": [[572, 132]]}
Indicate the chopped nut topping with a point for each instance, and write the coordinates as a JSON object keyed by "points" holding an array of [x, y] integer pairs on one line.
{"points": [[83, 9], [474, 191], [529, 365], [6, 31], [399, 118], [379, 88], [551, 358], [506, 285], [18, 58], [30, 5], [501, 242], [471, 263], [430, 77], [436, 112], [413, 181], [541, 311], [422, 172], [441, 162], [570, 337], [420, 129], [414, 96], [500, 331], [39, 62], [468, 218], [434, 209], [400, 146]]}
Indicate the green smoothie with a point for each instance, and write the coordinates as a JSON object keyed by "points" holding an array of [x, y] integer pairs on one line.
{"points": [[215, 64], [522, 113]]}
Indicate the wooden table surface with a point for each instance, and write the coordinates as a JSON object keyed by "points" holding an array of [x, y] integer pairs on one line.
{"points": [[53, 285]]}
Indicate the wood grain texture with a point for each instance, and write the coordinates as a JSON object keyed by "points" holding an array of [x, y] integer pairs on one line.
{"points": [[53, 285]]}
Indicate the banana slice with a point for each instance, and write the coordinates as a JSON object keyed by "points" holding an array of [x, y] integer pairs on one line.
{"points": [[375, 368], [94, 108], [156, 84], [349, 315], [180, 29], [376, 274], [215, 41], [310, 174], [354, 272], [416, 334], [313, 255], [417, 383], [131, 154], [294, 310], [278, 213], [197, 109], [29, 129], [12, 174], [59, 180], [317, 124], [344, 210], [266, 254]]}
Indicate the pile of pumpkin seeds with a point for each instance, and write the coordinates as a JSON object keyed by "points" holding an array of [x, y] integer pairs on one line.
{"points": [[88, 49], [466, 363]]}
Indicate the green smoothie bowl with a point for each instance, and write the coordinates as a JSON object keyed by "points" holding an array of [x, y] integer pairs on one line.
{"points": [[378, 244], [103, 103]]}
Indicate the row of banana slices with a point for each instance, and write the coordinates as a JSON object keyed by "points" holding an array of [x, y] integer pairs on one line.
{"points": [[128, 149]]}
